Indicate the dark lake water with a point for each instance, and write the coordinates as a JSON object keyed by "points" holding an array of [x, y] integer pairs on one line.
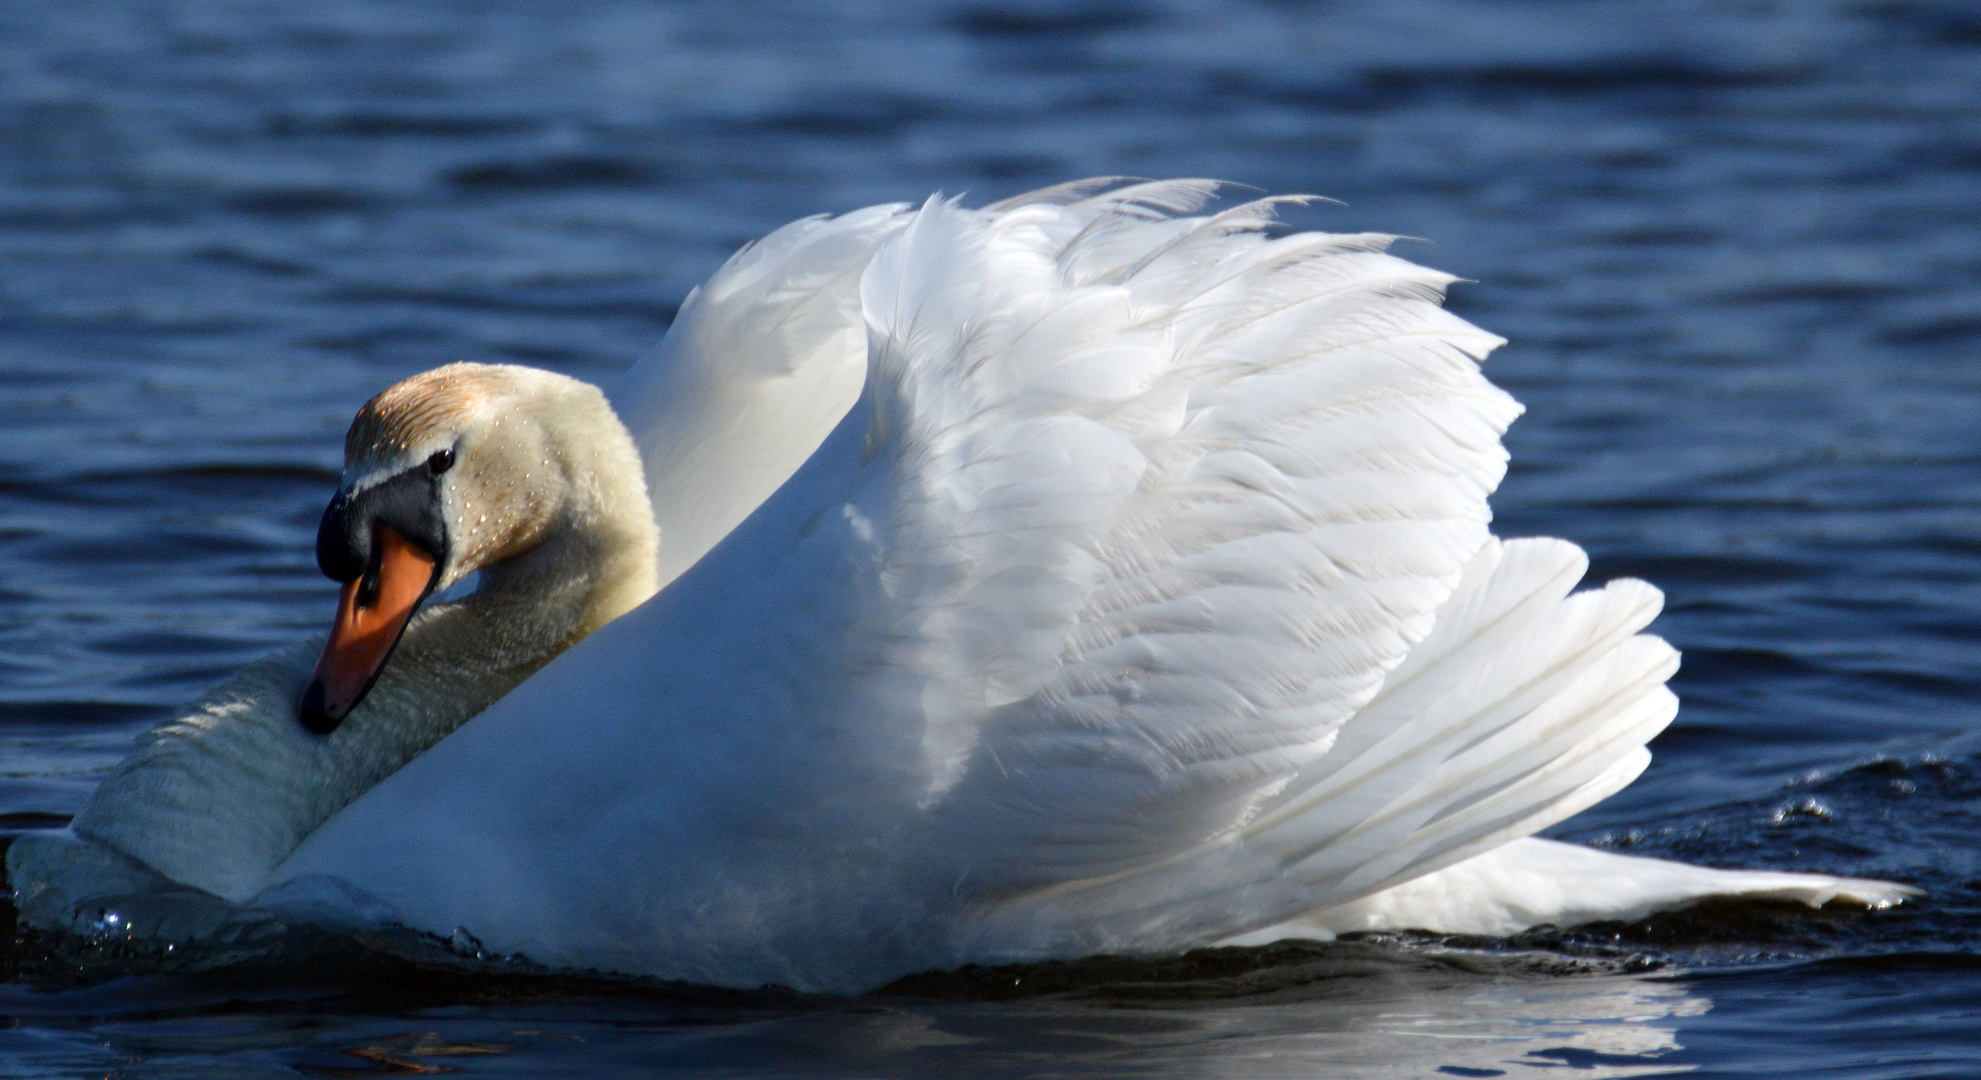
{"points": [[1736, 245]]}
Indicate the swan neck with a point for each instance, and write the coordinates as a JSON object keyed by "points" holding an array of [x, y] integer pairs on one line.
{"points": [[219, 795]]}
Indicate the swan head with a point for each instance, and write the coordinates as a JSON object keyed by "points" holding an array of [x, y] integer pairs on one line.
{"points": [[448, 472]]}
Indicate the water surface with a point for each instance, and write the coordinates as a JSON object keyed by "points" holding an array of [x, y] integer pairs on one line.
{"points": [[1735, 247]]}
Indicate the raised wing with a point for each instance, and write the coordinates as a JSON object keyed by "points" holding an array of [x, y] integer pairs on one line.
{"points": [[1171, 499]]}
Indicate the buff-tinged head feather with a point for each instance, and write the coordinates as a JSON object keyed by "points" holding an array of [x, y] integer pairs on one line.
{"points": [[428, 409], [536, 453]]}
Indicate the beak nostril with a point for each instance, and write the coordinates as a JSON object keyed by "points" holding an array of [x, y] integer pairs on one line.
{"points": [[368, 583], [313, 711]]}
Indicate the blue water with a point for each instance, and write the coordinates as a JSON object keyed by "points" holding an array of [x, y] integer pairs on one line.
{"points": [[1736, 247]]}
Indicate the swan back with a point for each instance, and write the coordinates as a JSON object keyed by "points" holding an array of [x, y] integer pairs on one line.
{"points": [[761, 362]]}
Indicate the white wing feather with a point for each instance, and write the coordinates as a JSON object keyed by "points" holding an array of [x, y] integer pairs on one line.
{"points": [[1244, 495]]}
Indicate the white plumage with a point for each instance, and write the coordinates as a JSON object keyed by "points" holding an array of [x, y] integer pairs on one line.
{"points": [[1069, 575]]}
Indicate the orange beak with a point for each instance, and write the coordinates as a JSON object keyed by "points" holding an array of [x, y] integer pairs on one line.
{"points": [[372, 613]]}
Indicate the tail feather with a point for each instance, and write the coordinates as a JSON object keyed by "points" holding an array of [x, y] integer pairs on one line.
{"points": [[1534, 882]]}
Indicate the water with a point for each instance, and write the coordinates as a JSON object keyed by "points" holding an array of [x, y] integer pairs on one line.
{"points": [[1734, 245]]}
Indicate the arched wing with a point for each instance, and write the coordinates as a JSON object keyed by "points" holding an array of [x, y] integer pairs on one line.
{"points": [[1170, 498]]}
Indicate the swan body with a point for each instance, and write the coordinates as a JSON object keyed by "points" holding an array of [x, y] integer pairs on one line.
{"points": [[1070, 575]]}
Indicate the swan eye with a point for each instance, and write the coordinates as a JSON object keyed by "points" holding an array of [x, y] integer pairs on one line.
{"points": [[440, 462]]}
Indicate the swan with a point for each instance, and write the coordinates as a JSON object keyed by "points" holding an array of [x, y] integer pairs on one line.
{"points": [[1081, 573]]}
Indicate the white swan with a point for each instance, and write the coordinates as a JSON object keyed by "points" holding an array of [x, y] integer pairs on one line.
{"points": [[1064, 576]]}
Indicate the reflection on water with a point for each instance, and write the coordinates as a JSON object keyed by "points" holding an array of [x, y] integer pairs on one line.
{"points": [[1600, 1026], [1347, 1010]]}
